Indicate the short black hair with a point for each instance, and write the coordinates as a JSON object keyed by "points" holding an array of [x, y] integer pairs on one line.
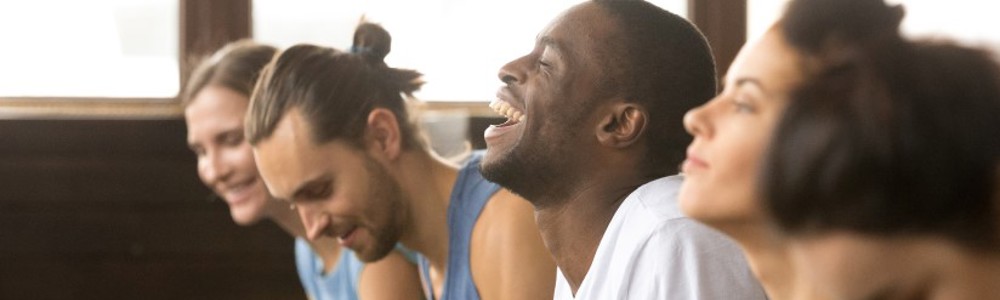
{"points": [[887, 136], [665, 65]]}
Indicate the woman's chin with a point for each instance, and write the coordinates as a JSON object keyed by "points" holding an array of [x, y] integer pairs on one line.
{"points": [[245, 216]]}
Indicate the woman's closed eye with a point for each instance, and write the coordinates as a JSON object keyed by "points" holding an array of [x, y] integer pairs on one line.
{"points": [[742, 105], [232, 138]]}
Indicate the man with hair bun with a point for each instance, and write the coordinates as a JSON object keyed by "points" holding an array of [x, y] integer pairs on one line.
{"points": [[215, 103], [332, 137]]}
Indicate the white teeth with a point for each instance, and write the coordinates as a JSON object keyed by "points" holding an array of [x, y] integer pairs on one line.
{"points": [[505, 109]]}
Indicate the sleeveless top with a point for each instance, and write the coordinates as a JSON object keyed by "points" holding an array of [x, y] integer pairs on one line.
{"points": [[468, 197], [342, 282]]}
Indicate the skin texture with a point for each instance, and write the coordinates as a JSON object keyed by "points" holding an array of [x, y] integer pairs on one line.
{"points": [[226, 165], [731, 132], [502, 226], [730, 136], [378, 194], [225, 161], [575, 153], [853, 266]]}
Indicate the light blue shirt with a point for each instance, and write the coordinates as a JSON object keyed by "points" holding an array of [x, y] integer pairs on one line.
{"points": [[340, 284]]}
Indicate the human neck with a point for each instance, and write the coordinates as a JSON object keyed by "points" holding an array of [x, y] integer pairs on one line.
{"points": [[965, 274], [767, 254], [426, 181], [573, 225]]}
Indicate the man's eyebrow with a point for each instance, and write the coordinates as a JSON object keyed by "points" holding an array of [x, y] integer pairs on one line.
{"points": [[548, 41], [320, 179], [742, 81], [883, 294]]}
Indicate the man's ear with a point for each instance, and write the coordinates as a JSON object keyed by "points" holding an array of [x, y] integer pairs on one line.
{"points": [[382, 134], [622, 125]]}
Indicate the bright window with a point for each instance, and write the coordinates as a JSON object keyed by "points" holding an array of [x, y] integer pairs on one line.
{"points": [[458, 45], [968, 21], [72, 48]]}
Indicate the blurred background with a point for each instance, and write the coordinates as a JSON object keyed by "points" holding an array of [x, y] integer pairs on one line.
{"points": [[99, 198]]}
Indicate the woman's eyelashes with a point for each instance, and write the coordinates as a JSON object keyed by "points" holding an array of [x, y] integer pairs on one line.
{"points": [[742, 104], [232, 138]]}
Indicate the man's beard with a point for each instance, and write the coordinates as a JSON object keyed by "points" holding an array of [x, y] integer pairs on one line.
{"points": [[537, 171], [387, 191]]}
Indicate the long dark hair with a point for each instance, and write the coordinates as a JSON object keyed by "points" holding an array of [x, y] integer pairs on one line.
{"points": [[886, 136]]}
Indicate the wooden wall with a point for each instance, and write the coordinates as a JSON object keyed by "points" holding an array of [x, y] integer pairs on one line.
{"points": [[113, 209]]}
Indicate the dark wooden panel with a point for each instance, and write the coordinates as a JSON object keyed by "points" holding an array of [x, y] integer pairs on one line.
{"points": [[724, 24], [208, 25], [185, 278], [113, 209]]}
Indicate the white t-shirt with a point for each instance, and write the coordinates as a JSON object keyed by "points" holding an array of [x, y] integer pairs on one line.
{"points": [[650, 250]]}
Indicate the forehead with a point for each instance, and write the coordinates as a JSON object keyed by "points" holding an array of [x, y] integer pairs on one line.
{"points": [[581, 28], [215, 105], [770, 60], [214, 100], [289, 157]]}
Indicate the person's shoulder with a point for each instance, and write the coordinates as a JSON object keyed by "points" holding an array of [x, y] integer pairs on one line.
{"points": [[658, 199], [510, 212], [684, 232], [670, 228]]}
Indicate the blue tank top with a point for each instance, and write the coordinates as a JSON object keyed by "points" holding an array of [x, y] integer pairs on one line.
{"points": [[342, 282], [468, 197]]}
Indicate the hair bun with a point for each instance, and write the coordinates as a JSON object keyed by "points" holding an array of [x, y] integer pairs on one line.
{"points": [[371, 41]]}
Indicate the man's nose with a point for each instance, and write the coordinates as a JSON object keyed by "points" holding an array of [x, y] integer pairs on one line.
{"points": [[314, 222]]}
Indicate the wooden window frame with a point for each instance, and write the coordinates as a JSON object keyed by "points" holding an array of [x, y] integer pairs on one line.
{"points": [[207, 25], [204, 26]]}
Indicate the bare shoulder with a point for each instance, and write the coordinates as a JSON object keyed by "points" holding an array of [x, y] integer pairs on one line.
{"points": [[392, 277], [508, 258], [509, 218]]}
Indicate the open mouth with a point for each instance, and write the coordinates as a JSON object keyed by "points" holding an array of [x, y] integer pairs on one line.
{"points": [[239, 192], [514, 115], [346, 238]]}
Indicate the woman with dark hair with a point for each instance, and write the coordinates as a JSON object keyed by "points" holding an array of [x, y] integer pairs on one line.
{"points": [[846, 61], [730, 133], [883, 170], [215, 102]]}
